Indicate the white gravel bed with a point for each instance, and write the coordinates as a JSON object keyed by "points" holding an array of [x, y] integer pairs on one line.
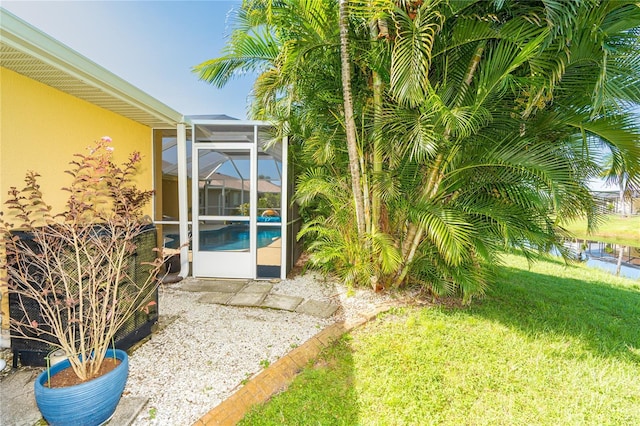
{"points": [[201, 358]]}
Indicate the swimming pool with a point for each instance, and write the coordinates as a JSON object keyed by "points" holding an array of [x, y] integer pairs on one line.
{"points": [[232, 237], [236, 237]]}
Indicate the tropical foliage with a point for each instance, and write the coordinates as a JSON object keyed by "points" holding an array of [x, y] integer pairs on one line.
{"points": [[477, 125]]}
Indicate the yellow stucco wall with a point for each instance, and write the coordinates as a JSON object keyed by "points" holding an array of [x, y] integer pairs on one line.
{"points": [[41, 128]]}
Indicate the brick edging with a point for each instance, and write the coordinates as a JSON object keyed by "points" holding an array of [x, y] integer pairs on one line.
{"points": [[281, 373]]}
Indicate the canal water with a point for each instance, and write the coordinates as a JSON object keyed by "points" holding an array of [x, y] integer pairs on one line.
{"points": [[597, 256]]}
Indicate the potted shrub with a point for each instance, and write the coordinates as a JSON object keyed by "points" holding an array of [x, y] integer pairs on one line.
{"points": [[76, 267]]}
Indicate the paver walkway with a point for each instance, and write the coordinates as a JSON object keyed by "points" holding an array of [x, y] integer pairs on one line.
{"points": [[254, 294]]}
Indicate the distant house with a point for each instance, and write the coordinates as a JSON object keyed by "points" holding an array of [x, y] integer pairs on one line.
{"points": [[609, 201], [55, 102], [223, 194]]}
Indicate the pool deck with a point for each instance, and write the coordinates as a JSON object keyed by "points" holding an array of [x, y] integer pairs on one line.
{"points": [[271, 254]]}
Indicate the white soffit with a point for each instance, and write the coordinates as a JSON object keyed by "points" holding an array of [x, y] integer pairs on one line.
{"points": [[32, 53]]}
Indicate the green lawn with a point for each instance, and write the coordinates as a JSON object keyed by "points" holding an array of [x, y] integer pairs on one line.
{"points": [[614, 229], [547, 346]]}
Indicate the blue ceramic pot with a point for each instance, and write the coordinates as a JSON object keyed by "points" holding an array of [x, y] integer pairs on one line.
{"points": [[90, 403]]}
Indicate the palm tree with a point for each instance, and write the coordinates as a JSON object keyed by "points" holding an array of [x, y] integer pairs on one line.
{"points": [[349, 122], [477, 125], [614, 172]]}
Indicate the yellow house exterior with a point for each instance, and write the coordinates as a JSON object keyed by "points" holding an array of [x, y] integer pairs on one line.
{"points": [[55, 103], [43, 127]]}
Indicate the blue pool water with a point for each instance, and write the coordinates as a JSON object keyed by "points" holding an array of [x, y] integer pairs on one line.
{"points": [[235, 237]]}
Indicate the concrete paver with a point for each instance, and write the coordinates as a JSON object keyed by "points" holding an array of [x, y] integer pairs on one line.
{"points": [[17, 404], [127, 410], [222, 286], [279, 301], [257, 294], [247, 299], [256, 288], [216, 297]]}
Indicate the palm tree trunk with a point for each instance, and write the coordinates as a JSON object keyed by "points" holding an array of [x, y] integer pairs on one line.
{"points": [[350, 125], [415, 232], [414, 236], [471, 71], [377, 154], [379, 30], [366, 182]]}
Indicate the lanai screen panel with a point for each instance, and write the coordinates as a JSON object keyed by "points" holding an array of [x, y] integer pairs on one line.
{"points": [[226, 177]]}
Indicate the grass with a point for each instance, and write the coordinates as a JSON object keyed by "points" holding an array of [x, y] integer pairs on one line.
{"points": [[614, 229], [547, 346]]}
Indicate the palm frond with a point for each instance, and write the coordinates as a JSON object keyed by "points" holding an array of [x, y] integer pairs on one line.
{"points": [[411, 55]]}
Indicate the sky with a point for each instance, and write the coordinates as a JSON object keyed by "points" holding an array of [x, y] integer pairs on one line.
{"points": [[151, 44]]}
